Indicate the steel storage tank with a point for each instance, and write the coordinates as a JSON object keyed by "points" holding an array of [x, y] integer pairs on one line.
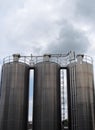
{"points": [[46, 102], [81, 95], [14, 96]]}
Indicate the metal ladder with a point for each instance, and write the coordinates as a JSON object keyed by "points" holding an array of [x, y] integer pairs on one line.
{"points": [[62, 96]]}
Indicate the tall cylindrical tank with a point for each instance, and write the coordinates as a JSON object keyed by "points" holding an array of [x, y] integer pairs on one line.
{"points": [[14, 96], [81, 95], [46, 104]]}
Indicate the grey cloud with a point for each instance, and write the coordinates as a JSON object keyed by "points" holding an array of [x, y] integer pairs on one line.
{"points": [[69, 38], [10, 5], [85, 10], [27, 29]]}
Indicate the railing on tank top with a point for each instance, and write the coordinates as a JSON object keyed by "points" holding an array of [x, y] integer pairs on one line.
{"points": [[62, 59]]}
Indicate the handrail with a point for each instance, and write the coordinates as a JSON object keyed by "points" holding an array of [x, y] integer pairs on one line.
{"points": [[62, 59]]}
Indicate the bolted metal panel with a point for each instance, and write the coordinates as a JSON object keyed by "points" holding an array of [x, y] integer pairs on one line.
{"points": [[81, 96], [47, 105], [14, 96]]}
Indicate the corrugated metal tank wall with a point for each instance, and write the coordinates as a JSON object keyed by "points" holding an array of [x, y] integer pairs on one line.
{"points": [[0, 85], [14, 96], [81, 96], [47, 106]]}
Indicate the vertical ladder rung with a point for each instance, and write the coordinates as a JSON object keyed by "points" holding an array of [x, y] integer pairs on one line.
{"points": [[62, 96]]}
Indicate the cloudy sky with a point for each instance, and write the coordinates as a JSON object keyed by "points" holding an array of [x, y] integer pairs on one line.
{"points": [[46, 26]]}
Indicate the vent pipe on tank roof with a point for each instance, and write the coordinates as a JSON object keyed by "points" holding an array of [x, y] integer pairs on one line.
{"points": [[80, 58], [46, 57], [16, 57]]}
